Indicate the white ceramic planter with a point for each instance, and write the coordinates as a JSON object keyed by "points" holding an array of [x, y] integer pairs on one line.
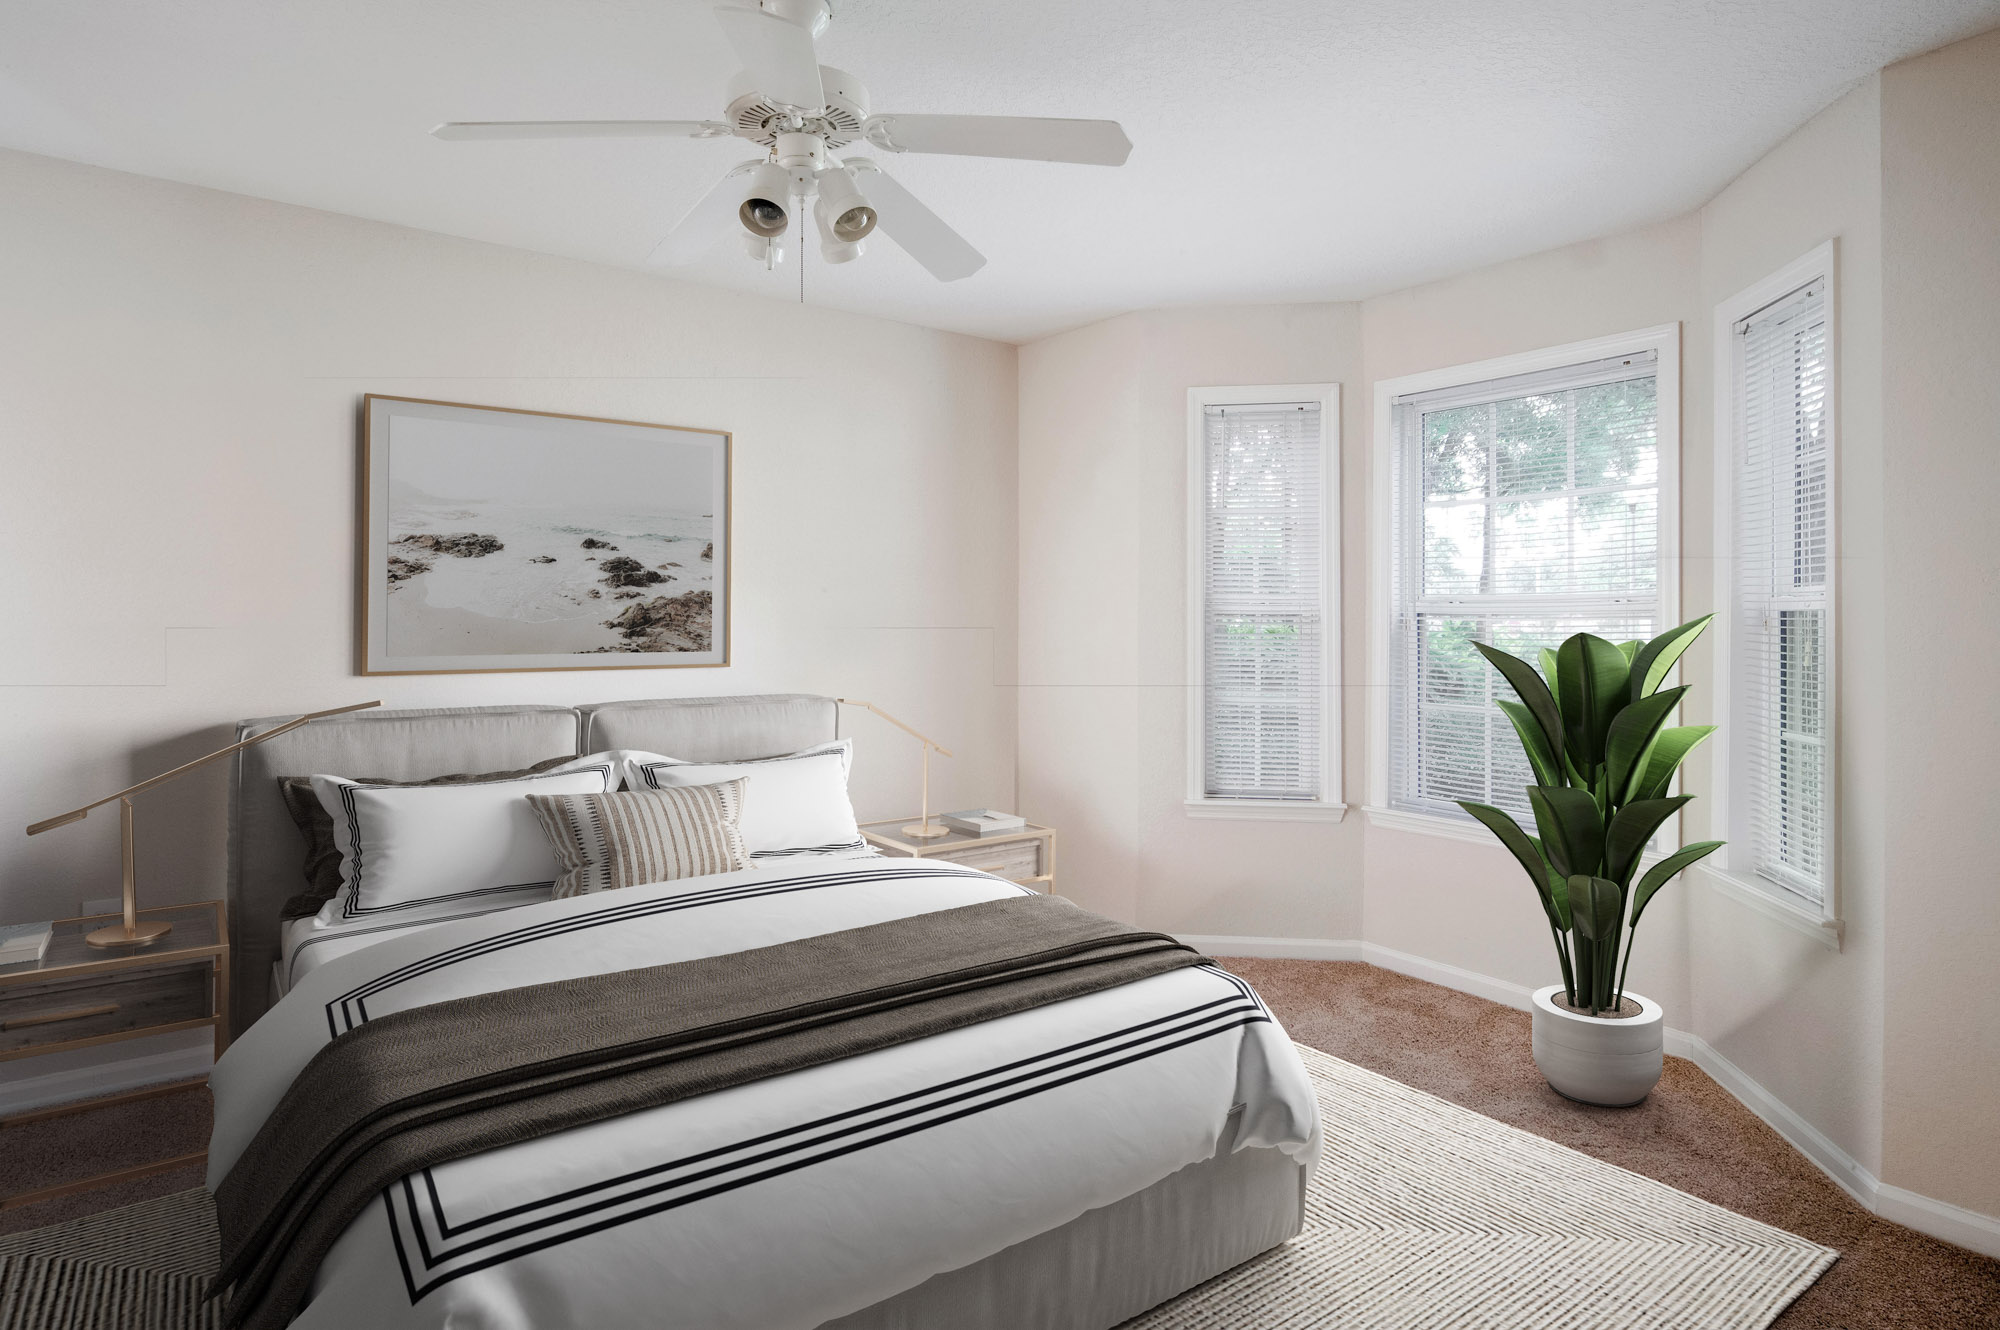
{"points": [[1592, 1060]]}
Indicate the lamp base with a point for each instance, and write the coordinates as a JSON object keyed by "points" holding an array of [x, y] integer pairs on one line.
{"points": [[148, 931], [927, 830]]}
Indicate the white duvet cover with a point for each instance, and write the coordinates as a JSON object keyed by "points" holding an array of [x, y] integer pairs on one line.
{"points": [[789, 1201], [306, 944]]}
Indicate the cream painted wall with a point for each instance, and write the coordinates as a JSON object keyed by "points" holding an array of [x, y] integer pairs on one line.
{"points": [[179, 377], [1863, 1044], [1941, 284], [1463, 903], [1103, 633], [1772, 1000]]}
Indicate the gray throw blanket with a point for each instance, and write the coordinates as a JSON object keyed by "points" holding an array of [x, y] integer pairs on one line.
{"points": [[418, 1088]]}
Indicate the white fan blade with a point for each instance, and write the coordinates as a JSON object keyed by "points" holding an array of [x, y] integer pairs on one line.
{"points": [[921, 232], [1091, 142], [779, 55], [581, 129], [704, 223]]}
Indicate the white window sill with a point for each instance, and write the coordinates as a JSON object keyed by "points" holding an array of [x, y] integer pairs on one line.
{"points": [[1429, 824], [1800, 917], [1265, 810]]}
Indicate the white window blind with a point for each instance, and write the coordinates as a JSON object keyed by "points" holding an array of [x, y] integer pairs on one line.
{"points": [[1524, 510], [1780, 786], [1263, 597]]}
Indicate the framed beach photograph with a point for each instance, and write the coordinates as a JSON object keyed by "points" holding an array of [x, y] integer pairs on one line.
{"points": [[495, 539]]}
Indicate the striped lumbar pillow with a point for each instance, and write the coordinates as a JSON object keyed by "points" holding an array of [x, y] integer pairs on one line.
{"points": [[607, 841]]}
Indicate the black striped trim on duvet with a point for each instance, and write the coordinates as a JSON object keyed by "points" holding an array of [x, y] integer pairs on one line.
{"points": [[350, 1009], [433, 1250], [392, 926]]}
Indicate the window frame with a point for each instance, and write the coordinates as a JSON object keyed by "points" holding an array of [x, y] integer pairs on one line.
{"points": [[1329, 807], [1664, 340], [1822, 922]]}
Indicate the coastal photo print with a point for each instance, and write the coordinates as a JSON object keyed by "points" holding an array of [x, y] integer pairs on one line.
{"points": [[495, 539]]}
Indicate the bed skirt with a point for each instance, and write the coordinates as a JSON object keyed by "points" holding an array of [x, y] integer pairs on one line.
{"points": [[1110, 1264]]}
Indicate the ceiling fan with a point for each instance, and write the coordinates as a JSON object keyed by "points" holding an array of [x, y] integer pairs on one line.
{"points": [[802, 111]]}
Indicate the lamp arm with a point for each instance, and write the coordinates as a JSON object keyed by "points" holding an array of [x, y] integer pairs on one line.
{"points": [[76, 814], [850, 702]]}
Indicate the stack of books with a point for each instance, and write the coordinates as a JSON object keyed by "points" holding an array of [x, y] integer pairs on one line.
{"points": [[983, 821], [24, 942]]}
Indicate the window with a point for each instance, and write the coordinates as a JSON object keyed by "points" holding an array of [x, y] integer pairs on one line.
{"points": [[1775, 582], [1263, 538], [1523, 501]]}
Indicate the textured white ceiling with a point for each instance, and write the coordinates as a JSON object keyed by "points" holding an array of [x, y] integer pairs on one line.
{"points": [[1285, 150]]}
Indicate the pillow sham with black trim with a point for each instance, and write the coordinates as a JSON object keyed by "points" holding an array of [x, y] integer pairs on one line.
{"points": [[796, 804], [322, 863], [610, 841], [403, 847]]}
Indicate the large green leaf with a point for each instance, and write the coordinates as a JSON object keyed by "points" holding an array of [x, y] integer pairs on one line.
{"points": [[1664, 758], [1594, 906], [1558, 888], [1630, 649], [1548, 770], [1572, 831], [1594, 688], [1662, 872], [1549, 668], [1650, 666], [1523, 679], [1631, 827], [1529, 851], [1632, 734]]}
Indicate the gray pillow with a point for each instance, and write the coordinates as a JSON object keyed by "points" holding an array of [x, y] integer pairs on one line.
{"points": [[322, 866]]}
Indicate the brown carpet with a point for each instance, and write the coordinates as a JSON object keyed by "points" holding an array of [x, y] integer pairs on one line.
{"points": [[1691, 1134], [80, 1145]]}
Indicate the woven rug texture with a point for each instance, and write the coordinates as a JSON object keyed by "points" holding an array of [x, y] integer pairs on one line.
{"points": [[1422, 1215]]}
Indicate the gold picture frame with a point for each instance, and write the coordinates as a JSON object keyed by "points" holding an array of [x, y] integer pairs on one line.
{"points": [[495, 540]]}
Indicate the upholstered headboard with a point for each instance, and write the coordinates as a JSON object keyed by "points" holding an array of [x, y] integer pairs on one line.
{"points": [[266, 853]]}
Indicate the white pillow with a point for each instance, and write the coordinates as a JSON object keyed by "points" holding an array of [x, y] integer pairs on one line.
{"points": [[793, 805], [406, 847]]}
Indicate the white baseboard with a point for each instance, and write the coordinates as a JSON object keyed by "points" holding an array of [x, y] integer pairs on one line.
{"points": [[1940, 1219], [1274, 948], [103, 1078], [1807, 1139], [1349, 949], [1501, 991]]}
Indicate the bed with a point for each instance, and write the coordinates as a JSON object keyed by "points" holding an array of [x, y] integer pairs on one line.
{"points": [[1068, 1167]]}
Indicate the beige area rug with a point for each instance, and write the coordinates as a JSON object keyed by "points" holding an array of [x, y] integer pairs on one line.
{"points": [[1423, 1214]]}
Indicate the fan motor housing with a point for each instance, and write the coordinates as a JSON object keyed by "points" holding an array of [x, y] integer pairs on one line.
{"points": [[755, 117]]}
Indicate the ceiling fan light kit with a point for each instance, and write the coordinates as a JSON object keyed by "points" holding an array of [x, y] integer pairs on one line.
{"points": [[763, 212], [802, 113]]}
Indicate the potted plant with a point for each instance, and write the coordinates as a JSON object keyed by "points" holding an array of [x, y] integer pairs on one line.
{"points": [[1593, 722]]}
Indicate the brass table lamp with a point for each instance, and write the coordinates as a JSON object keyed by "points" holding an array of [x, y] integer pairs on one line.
{"points": [[922, 829], [132, 932]]}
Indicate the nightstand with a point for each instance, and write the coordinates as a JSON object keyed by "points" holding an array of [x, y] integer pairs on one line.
{"points": [[78, 996], [1027, 856]]}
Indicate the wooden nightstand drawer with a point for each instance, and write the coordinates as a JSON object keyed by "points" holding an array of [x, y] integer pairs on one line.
{"points": [[88, 1007], [1027, 856], [1014, 859]]}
